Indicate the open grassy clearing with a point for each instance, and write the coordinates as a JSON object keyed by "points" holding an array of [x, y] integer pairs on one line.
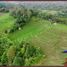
{"points": [[6, 21], [51, 38], [31, 29]]}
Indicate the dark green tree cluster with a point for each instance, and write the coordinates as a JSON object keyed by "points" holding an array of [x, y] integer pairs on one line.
{"points": [[34, 12], [54, 18], [22, 17]]}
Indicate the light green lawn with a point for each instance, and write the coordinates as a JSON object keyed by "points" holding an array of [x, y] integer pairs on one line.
{"points": [[30, 30], [6, 21]]}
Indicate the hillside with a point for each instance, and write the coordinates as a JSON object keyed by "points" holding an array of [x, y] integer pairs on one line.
{"points": [[41, 33]]}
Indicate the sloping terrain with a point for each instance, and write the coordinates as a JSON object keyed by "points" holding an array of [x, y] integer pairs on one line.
{"points": [[52, 38]]}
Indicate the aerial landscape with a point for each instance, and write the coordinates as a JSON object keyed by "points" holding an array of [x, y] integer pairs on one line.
{"points": [[33, 33]]}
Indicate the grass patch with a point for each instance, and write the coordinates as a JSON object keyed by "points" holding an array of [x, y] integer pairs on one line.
{"points": [[52, 39]]}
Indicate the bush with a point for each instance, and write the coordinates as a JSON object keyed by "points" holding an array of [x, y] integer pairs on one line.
{"points": [[4, 44], [17, 61], [23, 54], [34, 12], [5, 10], [11, 54], [4, 60], [22, 16], [26, 54]]}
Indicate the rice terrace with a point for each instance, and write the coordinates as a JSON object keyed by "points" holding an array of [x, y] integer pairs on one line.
{"points": [[33, 33]]}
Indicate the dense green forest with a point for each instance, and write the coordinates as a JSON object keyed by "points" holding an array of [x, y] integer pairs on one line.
{"points": [[32, 35]]}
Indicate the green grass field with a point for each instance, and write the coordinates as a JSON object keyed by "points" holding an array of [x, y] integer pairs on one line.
{"points": [[6, 21], [51, 38]]}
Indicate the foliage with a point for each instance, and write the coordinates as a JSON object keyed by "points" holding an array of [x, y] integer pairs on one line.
{"points": [[5, 10], [4, 43], [17, 54], [4, 60], [34, 12], [26, 52], [43, 34], [17, 61], [22, 16], [11, 54], [58, 18]]}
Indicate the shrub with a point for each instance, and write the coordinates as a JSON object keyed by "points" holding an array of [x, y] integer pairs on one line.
{"points": [[22, 54], [4, 59], [26, 54], [22, 16], [11, 54], [4, 43], [17, 61]]}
